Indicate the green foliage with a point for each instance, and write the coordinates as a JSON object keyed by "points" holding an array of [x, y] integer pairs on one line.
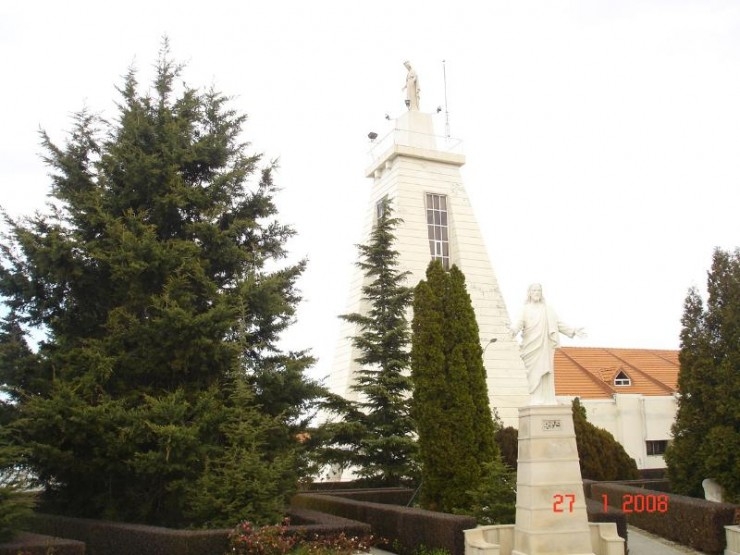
{"points": [[450, 401], [493, 501], [601, 457], [706, 433], [158, 394], [376, 433], [508, 443], [16, 502]]}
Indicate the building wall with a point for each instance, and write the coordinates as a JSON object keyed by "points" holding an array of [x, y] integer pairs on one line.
{"points": [[633, 420]]}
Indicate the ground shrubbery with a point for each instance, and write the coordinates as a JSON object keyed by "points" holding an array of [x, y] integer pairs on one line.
{"points": [[278, 540]]}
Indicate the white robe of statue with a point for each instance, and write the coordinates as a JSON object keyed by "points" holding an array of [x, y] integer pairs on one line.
{"points": [[412, 88], [540, 329]]}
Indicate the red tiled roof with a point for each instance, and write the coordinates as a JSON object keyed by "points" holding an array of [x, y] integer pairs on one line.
{"points": [[589, 372]]}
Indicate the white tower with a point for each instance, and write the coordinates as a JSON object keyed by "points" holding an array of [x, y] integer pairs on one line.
{"points": [[422, 179]]}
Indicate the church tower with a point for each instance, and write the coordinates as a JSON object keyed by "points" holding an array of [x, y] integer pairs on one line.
{"points": [[420, 173]]}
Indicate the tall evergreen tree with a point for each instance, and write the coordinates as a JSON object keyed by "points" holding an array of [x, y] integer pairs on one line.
{"points": [[376, 435], [450, 401], [706, 433], [155, 278]]}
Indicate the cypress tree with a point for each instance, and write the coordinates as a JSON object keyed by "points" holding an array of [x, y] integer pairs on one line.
{"points": [[376, 434], [155, 278], [437, 436], [706, 433], [459, 455]]}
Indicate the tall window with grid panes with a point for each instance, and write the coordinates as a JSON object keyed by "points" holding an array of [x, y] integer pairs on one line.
{"points": [[437, 231]]}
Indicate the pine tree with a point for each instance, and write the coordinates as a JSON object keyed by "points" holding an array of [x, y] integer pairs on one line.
{"points": [[706, 433], [155, 278], [376, 433], [450, 403]]}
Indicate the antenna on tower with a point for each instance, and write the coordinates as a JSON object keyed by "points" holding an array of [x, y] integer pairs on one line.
{"points": [[447, 113]]}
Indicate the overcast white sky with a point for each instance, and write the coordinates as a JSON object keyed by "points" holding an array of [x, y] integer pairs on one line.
{"points": [[602, 137]]}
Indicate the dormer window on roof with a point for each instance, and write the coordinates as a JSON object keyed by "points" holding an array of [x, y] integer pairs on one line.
{"points": [[622, 379]]}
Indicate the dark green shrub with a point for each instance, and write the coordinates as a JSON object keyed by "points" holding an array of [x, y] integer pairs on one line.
{"points": [[600, 455], [508, 443], [494, 500]]}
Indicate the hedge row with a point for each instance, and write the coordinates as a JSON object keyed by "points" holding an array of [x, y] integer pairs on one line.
{"points": [[696, 523], [116, 538], [404, 528], [409, 528], [37, 544], [382, 512], [386, 496]]}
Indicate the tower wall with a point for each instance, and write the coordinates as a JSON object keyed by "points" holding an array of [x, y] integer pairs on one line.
{"points": [[408, 165]]}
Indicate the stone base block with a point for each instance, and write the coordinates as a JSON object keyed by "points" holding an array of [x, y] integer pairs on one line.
{"points": [[499, 540], [733, 540], [550, 506]]}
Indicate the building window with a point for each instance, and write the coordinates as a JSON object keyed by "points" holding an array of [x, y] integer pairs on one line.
{"points": [[656, 447], [380, 208], [437, 231], [622, 379]]}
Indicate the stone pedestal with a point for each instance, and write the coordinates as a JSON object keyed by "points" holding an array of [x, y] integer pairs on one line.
{"points": [[550, 505]]}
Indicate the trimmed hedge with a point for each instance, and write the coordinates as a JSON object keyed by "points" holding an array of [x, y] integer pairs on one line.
{"points": [[410, 528], [654, 484], [652, 473], [404, 528], [37, 544], [696, 523], [386, 496], [117, 538], [313, 523], [661, 485]]}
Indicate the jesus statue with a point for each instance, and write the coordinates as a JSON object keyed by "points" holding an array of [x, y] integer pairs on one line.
{"points": [[540, 329]]}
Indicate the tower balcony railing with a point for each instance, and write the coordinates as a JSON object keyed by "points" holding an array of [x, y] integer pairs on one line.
{"points": [[413, 139]]}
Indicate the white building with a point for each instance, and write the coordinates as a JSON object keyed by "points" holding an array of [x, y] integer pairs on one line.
{"points": [[630, 393]]}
